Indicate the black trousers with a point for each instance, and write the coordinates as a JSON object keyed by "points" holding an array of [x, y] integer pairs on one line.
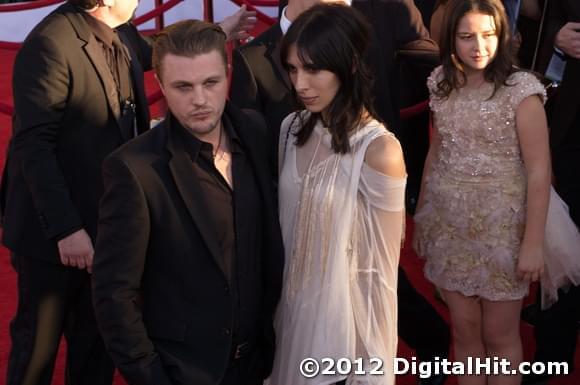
{"points": [[55, 300], [420, 326], [557, 327]]}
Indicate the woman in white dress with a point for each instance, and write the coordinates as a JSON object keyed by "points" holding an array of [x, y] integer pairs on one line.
{"points": [[341, 195]]}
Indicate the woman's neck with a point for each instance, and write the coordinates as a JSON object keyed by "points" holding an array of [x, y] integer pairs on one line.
{"points": [[474, 80]]}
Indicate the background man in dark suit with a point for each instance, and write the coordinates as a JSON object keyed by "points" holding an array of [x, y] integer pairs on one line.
{"points": [[556, 328], [79, 94], [188, 262], [76, 98], [260, 82]]}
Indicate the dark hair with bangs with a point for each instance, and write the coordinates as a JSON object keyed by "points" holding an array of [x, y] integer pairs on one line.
{"points": [[334, 37], [502, 65]]}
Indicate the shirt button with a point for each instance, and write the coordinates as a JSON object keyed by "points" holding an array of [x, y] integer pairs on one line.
{"points": [[226, 288], [227, 331]]}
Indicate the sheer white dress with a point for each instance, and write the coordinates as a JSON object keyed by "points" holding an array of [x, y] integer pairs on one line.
{"points": [[342, 225]]}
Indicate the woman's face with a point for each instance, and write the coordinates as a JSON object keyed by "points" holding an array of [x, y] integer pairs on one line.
{"points": [[476, 41], [315, 88]]}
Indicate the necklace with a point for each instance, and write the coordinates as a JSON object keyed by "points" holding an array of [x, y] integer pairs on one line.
{"points": [[218, 145]]}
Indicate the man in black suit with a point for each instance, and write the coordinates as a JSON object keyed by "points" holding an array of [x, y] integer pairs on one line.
{"points": [[79, 94], [189, 258], [260, 82]]}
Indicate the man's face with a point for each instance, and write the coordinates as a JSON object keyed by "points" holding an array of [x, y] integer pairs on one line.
{"points": [[195, 89]]}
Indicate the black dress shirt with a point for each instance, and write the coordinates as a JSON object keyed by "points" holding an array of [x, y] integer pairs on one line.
{"points": [[231, 215]]}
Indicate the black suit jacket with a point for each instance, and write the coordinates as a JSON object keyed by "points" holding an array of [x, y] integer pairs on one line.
{"points": [[161, 299], [260, 82], [566, 103], [66, 121]]}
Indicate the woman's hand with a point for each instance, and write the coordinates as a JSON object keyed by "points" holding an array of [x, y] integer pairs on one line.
{"points": [[530, 262]]}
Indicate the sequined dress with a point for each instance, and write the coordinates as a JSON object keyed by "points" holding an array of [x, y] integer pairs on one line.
{"points": [[342, 224], [472, 220]]}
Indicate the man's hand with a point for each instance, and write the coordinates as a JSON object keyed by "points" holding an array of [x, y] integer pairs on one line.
{"points": [[76, 250], [568, 39], [238, 25]]}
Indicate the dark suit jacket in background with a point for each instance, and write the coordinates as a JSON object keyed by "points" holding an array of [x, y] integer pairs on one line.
{"points": [[66, 121], [567, 100], [161, 298], [556, 328]]}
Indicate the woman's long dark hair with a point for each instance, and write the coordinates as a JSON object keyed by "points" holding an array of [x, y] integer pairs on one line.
{"points": [[501, 66], [334, 37]]}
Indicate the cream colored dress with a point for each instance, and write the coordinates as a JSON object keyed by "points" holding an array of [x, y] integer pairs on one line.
{"points": [[472, 222], [342, 225]]}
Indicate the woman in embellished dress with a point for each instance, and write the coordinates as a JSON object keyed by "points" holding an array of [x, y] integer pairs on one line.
{"points": [[341, 195], [486, 201]]}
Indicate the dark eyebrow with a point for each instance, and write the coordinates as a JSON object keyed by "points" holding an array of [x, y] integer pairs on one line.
{"points": [[180, 83]]}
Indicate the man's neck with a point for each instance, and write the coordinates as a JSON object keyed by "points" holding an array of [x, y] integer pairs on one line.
{"points": [[103, 15], [215, 137]]}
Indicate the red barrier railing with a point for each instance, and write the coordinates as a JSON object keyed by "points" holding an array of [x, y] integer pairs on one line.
{"points": [[156, 12], [409, 112], [28, 5], [154, 97], [10, 45], [405, 113], [261, 16], [264, 3], [6, 109]]}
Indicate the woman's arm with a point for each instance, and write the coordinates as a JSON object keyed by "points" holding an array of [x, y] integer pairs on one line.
{"points": [[532, 129], [431, 154], [384, 155], [434, 141]]}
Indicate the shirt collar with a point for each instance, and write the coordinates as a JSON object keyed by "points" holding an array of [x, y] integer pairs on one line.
{"points": [[102, 31], [194, 146], [285, 23]]}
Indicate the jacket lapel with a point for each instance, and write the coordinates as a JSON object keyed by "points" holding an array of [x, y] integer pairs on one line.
{"points": [[181, 170], [242, 125], [273, 55], [95, 54], [137, 77]]}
